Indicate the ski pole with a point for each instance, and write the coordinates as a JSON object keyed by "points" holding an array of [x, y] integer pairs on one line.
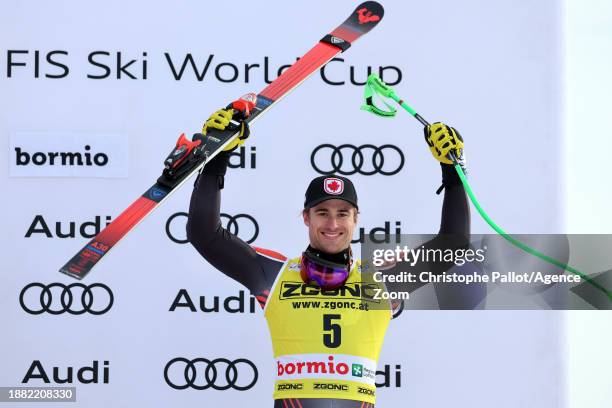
{"points": [[376, 87]]}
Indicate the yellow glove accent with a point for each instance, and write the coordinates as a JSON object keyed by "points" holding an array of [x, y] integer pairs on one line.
{"points": [[443, 139], [218, 120], [237, 142], [242, 136]]}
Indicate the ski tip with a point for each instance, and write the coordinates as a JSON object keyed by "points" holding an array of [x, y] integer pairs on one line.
{"points": [[365, 17], [374, 7]]}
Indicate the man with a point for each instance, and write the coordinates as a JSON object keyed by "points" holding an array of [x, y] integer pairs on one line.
{"points": [[324, 356]]}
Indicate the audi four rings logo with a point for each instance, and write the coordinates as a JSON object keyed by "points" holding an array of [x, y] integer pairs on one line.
{"points": [[67, 299], [348, 159], [243, 226], [219, 374]]}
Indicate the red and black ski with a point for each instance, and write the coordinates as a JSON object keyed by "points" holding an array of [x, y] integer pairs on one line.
{"points": [[190, 156]]}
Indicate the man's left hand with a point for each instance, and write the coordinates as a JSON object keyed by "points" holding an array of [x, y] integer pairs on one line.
{"points": [[442, 141]]}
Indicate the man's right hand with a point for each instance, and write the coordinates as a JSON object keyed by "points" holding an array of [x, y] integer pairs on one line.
{"points": [[220, 120]]}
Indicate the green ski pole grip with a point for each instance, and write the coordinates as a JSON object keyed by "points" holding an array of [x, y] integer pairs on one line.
{"points": [[380, 87]]}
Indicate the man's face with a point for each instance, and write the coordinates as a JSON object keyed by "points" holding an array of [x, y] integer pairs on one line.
{"points": [[331, 225]]}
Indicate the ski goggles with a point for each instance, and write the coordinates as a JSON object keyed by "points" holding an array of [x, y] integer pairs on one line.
{"points": [[327, 275]]}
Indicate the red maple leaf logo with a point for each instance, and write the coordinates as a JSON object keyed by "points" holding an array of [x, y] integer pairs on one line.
{"points": [[333, 186]]}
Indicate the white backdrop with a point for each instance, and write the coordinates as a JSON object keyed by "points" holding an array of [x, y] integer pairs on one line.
{"points": [[491, 69], [588, 30]]}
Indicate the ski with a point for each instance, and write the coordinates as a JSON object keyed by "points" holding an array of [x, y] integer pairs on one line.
{"points": [[189, 157]]}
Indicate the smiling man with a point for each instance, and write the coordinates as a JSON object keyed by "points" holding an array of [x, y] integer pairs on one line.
{"points": [[325, 336], [330, 223]]}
